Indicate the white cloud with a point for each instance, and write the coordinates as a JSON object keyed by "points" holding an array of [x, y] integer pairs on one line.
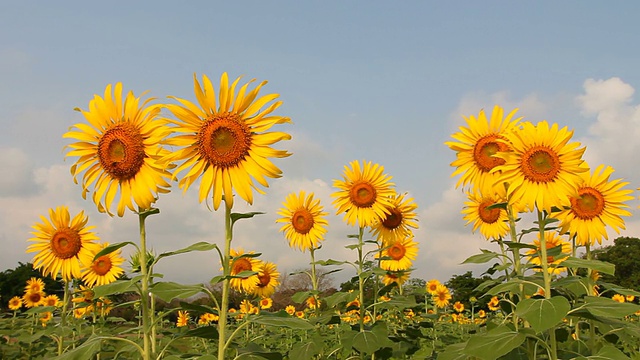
{"points": [[17, 173], [530, 106]]}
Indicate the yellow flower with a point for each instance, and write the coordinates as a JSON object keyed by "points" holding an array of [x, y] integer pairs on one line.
{"points": [[33, 299], [630, 298], [481, 313], [494, 304], [15, 303], [103, 270], [45, 317], [458, 306], [79, 312], [476, 146], [207, 318], [491, 222], [241, 263], [225, 142], [266, 303], [398, 277], [599, 203], [441, 296], [552, 240], [51, 300], [401, 254], [61, 243], [365, 195], [268, 280], [432, 286], [398, 222], [300, 314], [312, 302], [119, 149], [304, 221], [183, 318], [246, 307], [34, 285], [85, 295], [543, 170], [619, 298], [355, 304], [290, 309]]}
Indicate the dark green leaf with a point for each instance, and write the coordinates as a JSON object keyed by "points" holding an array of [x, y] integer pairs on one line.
{"points": [[543, 314], [199, 246], [494, 343], [601, 266], [111, 248], [304, 351], [204, 332], [608, 308], [486, 256], [329, 262], [366, 342], [288, 322], [116, 287], [85, 351], [168, 291], [237, 216], [198, 308]]}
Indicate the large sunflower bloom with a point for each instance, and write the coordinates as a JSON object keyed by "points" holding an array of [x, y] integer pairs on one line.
{"points": [[476, 145], [34, 285], [552, 240], [62, 244], [224, 140], [491, 222], [543, 170], [599, 203], [400, 254], [103, 270], [304, 221], [267, 280], [398, 222], [33, 299], [119, 149], [365, 195], [241, 263], [441, 296]]}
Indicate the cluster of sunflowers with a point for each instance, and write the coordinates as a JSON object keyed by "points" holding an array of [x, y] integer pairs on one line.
{"points": [[34, 295]]}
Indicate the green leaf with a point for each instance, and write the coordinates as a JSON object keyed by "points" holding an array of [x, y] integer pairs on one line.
{"points": [[288, 322], [111, 248], [85, 351], [366, 342], [608, 308], [454, 352], [517, 245], [237, 216], [301, 296], [352, 247], [398, 302], [601, 266], [607, 352], [486, 256], [116, 287], [259, 356], [329, 262], [199, 246], [494, 343], [502, 205], [512, 285], [339, 297], [304, 351], [204, 332], [198, 308], [543, 314], [168, 291]]}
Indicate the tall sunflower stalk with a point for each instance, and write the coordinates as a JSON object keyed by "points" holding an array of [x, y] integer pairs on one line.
{"points": [[226, 272]]}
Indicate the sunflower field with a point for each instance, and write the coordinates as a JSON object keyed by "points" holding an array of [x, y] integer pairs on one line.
{"points": [[530, 194]]}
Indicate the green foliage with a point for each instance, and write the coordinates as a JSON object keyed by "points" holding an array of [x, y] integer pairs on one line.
{"points": [[625, 255], [13, 281]]}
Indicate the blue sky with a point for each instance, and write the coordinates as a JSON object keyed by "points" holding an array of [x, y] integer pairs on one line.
{"points": [[382, 81]]}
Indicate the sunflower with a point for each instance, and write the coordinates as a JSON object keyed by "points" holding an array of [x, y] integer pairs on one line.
{"points": [[494, 304], [45, 317], [365, 195], [267, 280], [432, 286], [241, 263], [458, 306], [83, 295], [78, 313], [543, 170], [61, 242], [51, 300], [552, 240], [398, 277], [400, 253], [398, 222], [619, 298], [225, 142], [478, 143], [312, 302], [491, 222], [599, 203], [103, 270], [630, 298], [482, 313], [441, 296], [15, 303], [266, 303], [33, 299], [300, 314], [34, 285], [207, 318], [119, 149], [183, 318], [304, 221], [290, 309]]}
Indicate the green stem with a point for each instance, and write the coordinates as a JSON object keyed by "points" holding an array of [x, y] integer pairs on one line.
{"points": [[222, 322], [147, 317], [547, 280], [63, 316], [591, 292], [360, 279], [314, 280]]}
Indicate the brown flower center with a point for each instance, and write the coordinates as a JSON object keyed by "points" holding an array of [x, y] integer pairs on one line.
{"points": [[224, 140], [484, 150], [35, 297], [65, 243], [589, 204], [362, 194], [121, 151], [488, 216], [264, 279], [240, 265], [540, 164], [393, 219], [396, 251], [302, 221], [102, 265]]}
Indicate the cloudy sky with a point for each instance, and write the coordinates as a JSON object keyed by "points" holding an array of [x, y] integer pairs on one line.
{"points": [[381, 81]]}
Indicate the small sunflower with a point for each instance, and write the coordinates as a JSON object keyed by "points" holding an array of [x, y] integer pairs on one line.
{"points": [[312, 302], [365, 195], [482, 314], [207, 318], [304, 221], [619, 298], [552, 240], [458, 306], [79, 312], [183, 318], [15, 303], [290, 309], [83, 295], [52, 300], [432, 286], [241, 263], [493, 223], [62, 244], [33, 299], [119, 149], [103, 270], [441, 296], [599, 203], [267, 280], [45, 317], [398, 222], [478, 143], [34, 285], [224, 140], [266, 303], [300, 314], [544, 168], [494, 304], [401, 254], [398, 277]]}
